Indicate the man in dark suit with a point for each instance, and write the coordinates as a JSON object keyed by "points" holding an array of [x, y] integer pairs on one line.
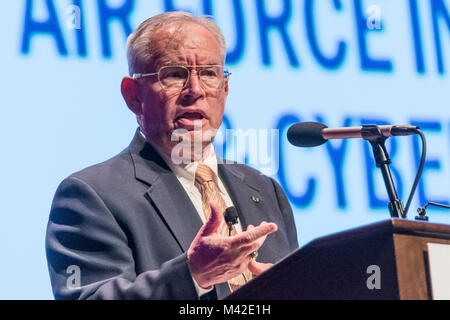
{"points": [[141, 225]]}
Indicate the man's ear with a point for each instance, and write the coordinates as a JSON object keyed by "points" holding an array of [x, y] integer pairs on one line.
{"points": [[129, 89], [226, 88]]}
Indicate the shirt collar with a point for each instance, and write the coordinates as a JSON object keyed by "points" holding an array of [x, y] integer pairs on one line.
{"points": [[187, 171]]}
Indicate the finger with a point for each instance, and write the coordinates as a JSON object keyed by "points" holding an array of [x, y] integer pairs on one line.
{"points": [[247, 249], [213, 223], [254, 234], [260, 240], [257, 267]]}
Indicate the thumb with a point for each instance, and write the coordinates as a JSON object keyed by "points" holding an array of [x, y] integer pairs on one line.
{"points": [[213, 223], [257, 267]]}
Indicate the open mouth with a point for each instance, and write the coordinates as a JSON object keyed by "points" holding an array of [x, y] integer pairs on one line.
{"points": [[191, 116], [191, 120]]}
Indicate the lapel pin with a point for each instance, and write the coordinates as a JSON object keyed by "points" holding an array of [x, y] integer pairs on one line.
{"points": [[255, 199]]}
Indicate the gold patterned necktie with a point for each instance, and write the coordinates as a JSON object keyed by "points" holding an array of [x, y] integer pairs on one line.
{"points": [[204, 176]]}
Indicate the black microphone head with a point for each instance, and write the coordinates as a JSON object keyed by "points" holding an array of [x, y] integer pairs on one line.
{"points": [[231, 216], [306, 134]]}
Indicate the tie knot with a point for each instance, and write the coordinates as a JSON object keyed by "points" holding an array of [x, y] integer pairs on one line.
{"points": [[204, 174]]}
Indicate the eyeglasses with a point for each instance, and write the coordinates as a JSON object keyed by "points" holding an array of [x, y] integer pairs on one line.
{"points": [[177, 76]]}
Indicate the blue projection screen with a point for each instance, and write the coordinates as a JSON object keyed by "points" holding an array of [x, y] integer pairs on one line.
{"points": [[341, 62]]}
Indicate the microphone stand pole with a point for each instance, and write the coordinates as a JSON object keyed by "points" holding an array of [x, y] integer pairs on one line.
{"points": [[376, 138]]}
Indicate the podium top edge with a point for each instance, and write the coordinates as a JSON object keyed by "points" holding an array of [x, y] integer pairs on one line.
{"points": [[387, 226], [404, 226]]}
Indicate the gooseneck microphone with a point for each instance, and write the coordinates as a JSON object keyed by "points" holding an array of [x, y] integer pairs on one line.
{"points": [[312, 134]]}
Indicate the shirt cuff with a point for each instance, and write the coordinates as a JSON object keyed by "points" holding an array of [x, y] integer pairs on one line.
{"points": [[200, 290]]}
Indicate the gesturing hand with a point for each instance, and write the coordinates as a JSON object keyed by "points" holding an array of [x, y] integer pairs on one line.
{"points": [[214, 258]]}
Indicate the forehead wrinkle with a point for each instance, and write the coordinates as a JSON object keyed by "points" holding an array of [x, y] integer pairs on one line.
{"points": [[164, 39], [172, 40]]}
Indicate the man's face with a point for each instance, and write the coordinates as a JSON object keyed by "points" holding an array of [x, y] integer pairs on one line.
{"points": [[166, 110]]}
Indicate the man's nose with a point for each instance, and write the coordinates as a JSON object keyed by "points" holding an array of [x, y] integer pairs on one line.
{"points": [[194, 88]]}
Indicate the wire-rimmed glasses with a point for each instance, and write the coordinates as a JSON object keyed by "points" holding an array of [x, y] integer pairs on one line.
{"points": [[177, 76]]}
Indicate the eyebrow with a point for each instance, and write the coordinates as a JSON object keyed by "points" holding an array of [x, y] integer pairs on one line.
{"points": [[189, 65], [167, 62]]}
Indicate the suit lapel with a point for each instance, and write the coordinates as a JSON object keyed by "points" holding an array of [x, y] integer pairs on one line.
{"points": [[245, 196], [165, 192], [175, 207], [250, 203]]}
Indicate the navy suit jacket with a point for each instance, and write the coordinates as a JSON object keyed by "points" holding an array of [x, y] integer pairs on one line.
{"points": [[122, 228]]}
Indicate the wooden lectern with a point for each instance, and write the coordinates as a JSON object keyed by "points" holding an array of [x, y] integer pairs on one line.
{"points": [[336, 266]]}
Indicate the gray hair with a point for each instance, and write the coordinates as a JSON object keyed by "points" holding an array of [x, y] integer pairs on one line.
{"points": [[139, 43]]}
